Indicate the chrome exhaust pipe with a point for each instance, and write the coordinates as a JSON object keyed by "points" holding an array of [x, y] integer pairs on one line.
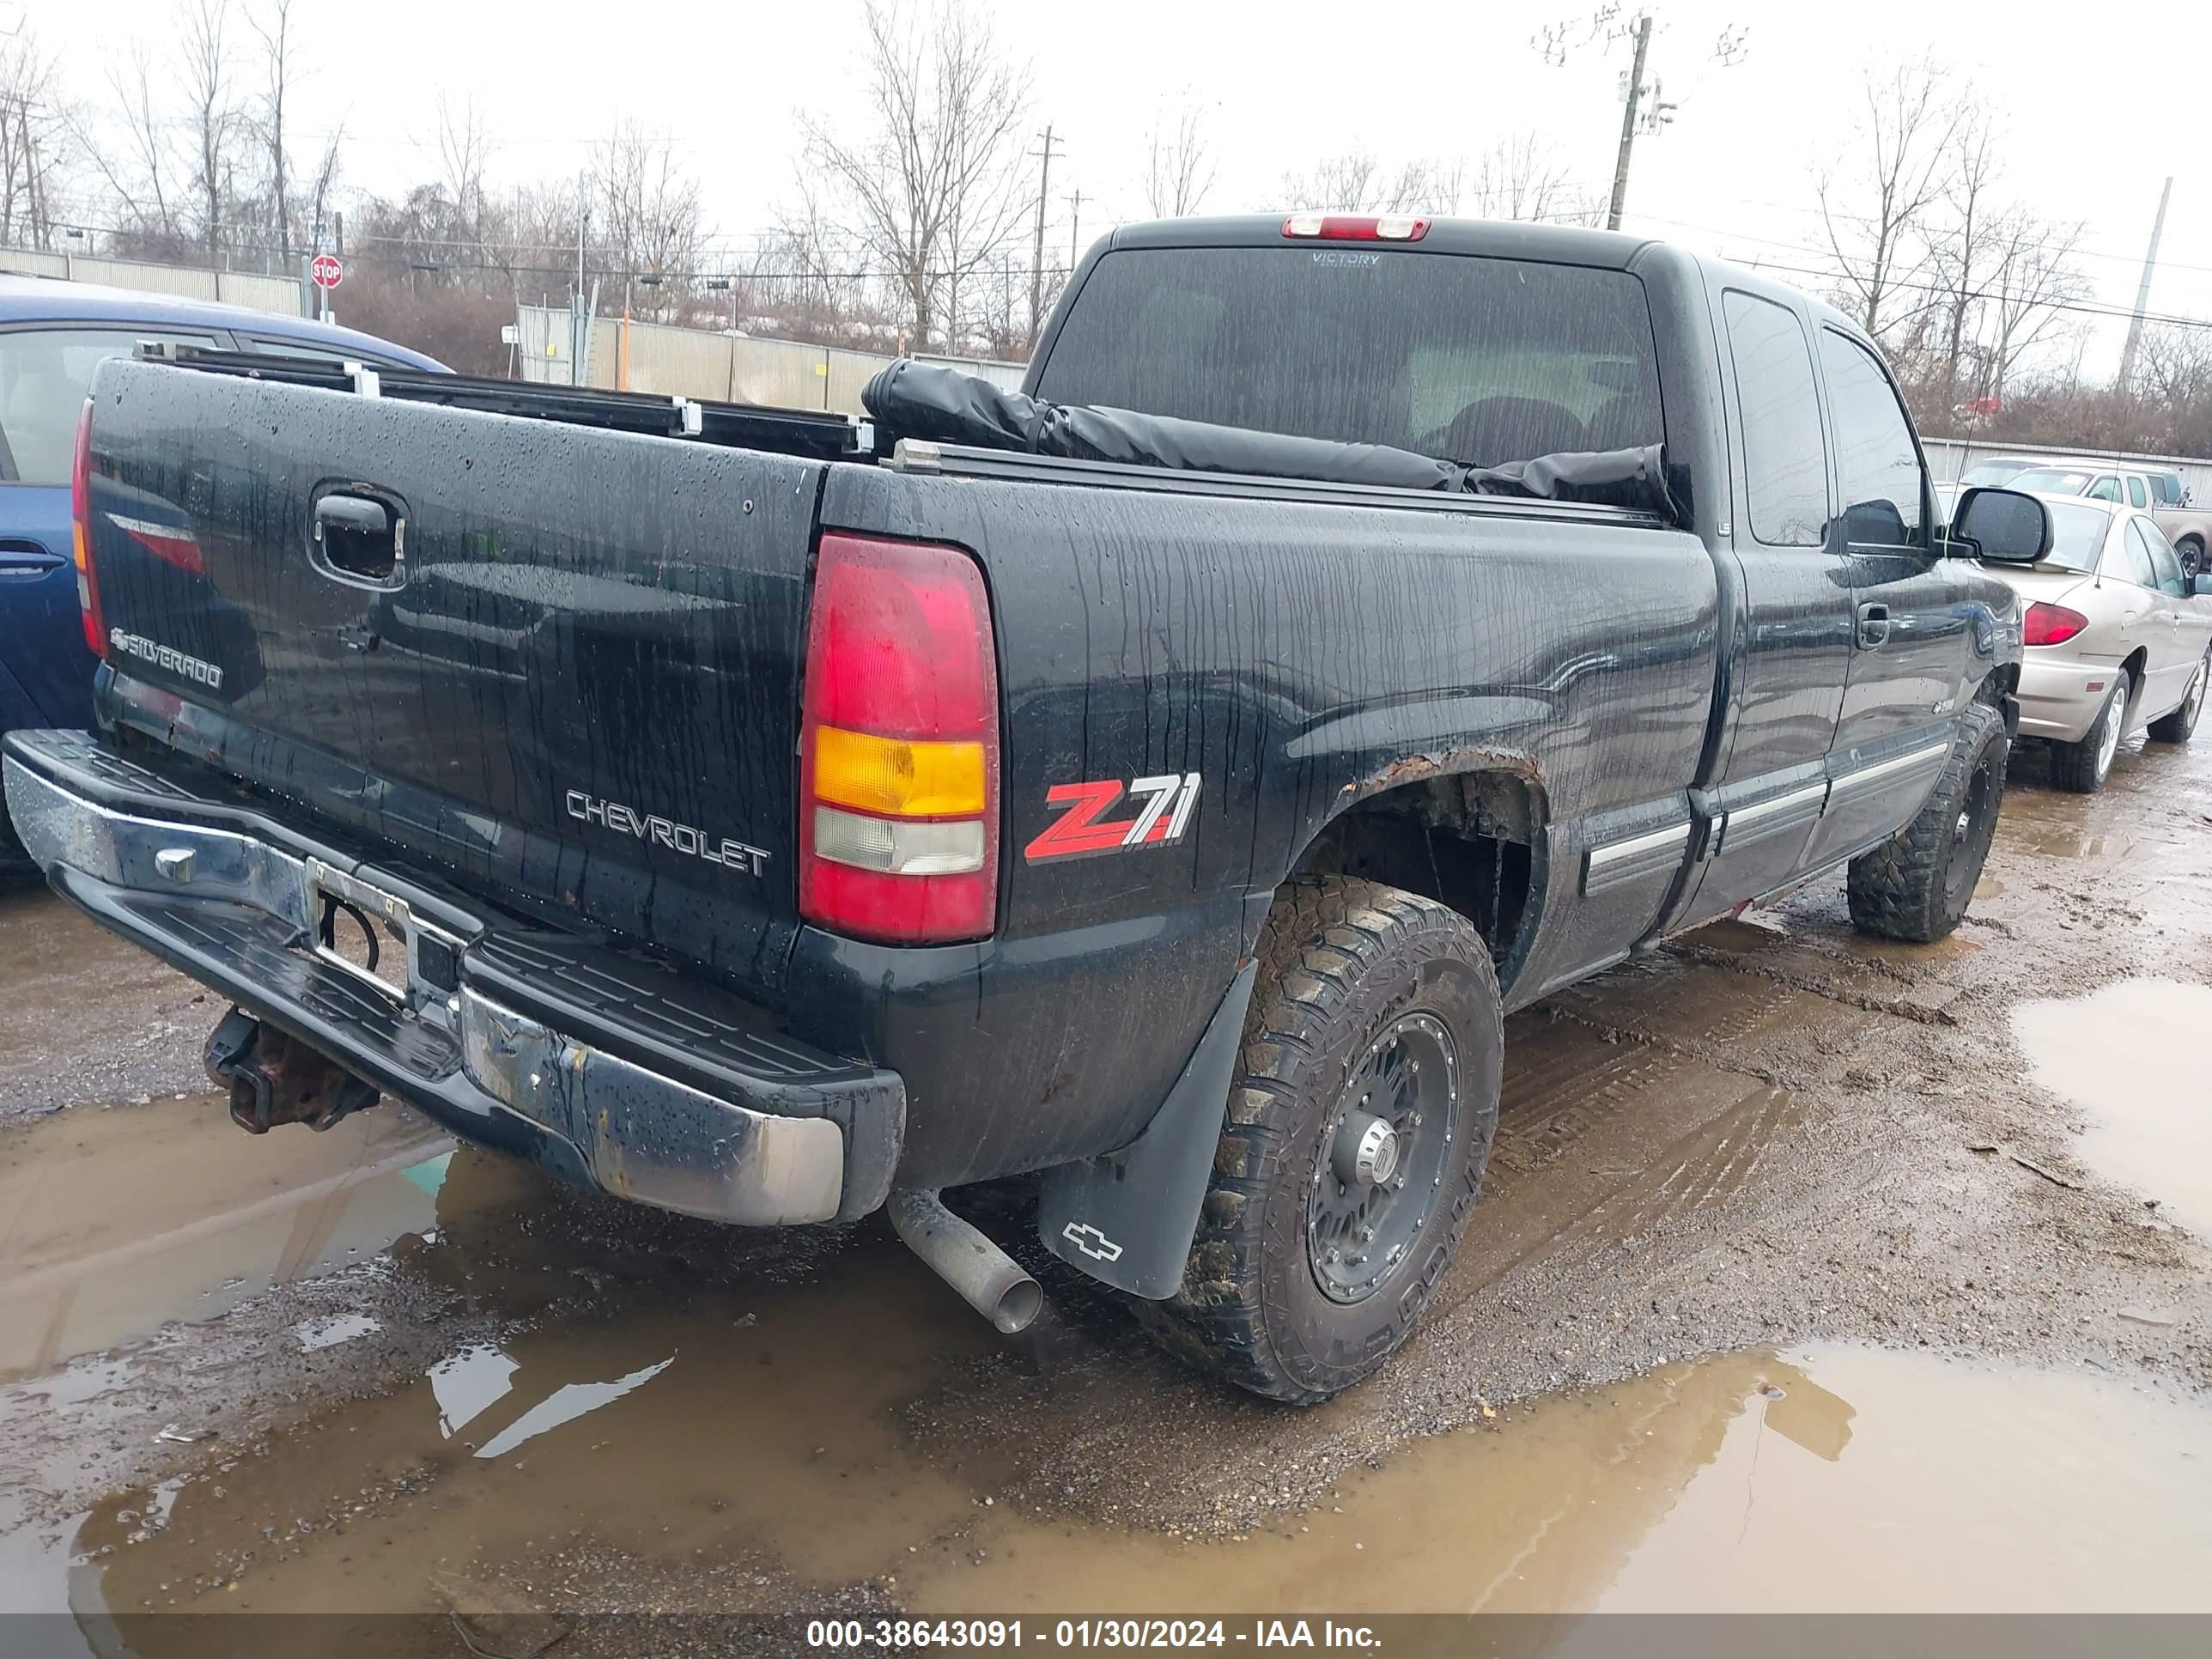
{"points": [[987, 1278]]}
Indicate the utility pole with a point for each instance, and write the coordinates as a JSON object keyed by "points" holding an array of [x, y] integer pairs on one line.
{"points": [[1036, 265], [2142, 292], [1074, 227], [1628, 123]]}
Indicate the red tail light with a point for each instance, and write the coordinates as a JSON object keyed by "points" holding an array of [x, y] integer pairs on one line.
{"points": [[2050, 625], [88, 582], [898, 757], [1357, 226]]}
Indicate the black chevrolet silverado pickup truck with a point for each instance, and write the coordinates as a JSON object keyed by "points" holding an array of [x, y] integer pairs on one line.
{"points": [[778, 817]]}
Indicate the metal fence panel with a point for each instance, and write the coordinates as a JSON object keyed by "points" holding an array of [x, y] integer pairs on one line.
{"points": [[780, 374], [693, 362], [279, 297], [24, 262]]}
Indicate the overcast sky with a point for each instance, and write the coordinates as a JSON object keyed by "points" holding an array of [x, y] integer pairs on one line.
{"points": [[2097, 108]]}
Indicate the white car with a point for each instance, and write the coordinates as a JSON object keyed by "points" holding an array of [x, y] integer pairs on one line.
{"points": [[2116, 638]]}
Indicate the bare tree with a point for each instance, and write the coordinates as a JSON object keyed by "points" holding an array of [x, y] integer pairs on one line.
{"points": [[212, 116], [933, 189], [275, 33], [648, 210], [1179, 166], [1520, 177], [1876, 223], [31, 134], [1960, 258], [1356, 182], [2035, 279], [464, 152], [138, 175]]}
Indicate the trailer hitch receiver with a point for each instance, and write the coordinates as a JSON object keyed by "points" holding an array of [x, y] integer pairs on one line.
{"points": [[273, 1079]]}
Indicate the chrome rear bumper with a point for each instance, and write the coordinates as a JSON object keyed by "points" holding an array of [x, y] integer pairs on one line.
{"points": [[788, 1135]]}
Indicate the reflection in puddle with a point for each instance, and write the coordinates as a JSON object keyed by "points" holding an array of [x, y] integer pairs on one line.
{"points": [[338, 1328], [1846, 1478], [568, 1403], [2133, 1055], [119, 1221], [465, 1383], [1897, 1481]]}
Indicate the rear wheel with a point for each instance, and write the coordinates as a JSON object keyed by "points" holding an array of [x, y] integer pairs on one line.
{"points": [[2083, 767], [1917, 885], [2177, 726], [1358, 1127], [2192, 551]]}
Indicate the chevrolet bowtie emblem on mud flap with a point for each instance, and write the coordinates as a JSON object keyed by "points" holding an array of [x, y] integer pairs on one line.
{"points": [[1092, 1243]]}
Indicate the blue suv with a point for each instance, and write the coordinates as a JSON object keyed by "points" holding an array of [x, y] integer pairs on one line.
{"points": [[51, 335]]}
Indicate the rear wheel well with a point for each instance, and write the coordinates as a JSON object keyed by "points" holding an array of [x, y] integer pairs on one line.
{"points": [[2137, 662], [1467, 840]]}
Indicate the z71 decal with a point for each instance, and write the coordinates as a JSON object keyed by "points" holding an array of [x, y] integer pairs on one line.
{"points": [[1083, 830]]}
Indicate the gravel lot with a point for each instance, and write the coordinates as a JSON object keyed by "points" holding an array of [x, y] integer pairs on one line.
{"points": [[353, 1371]]}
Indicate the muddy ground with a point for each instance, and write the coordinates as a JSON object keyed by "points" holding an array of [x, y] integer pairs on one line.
{"points": [[1769, 1189]]}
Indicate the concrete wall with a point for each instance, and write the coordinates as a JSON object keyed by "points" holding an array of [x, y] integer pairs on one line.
{"points": [[279, 297], [695, 362]]}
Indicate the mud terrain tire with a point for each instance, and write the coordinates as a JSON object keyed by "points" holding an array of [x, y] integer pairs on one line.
{"points": [[1915, 885], [1355, 978]]}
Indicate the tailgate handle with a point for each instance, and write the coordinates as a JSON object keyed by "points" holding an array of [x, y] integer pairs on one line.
{"points": [[361, 538]]}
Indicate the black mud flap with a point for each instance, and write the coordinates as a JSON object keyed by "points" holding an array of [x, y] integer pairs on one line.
{"points": [[1128, 1219]]}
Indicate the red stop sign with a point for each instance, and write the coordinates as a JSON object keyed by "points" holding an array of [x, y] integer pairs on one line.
{"points": [[326, 271]]}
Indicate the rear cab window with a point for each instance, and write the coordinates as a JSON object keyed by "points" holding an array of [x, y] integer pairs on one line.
{"points": [[1784, 461], [2137, 495], [1473, 359], [1877, 464], [46, 374]]}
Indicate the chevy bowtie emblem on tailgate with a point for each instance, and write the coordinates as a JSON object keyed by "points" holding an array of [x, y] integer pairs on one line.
{"points": [[1082, 830]]}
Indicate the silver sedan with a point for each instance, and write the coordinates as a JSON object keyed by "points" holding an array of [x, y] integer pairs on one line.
{"points": [[2116, 638]]}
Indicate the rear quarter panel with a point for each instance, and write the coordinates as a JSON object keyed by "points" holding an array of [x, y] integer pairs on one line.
{"points": [[1297, 657]]}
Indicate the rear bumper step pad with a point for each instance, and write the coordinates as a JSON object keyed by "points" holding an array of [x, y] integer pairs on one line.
{"points": [[600, 1062]]}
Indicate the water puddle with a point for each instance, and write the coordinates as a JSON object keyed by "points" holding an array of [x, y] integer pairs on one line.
{"points": [[1850, 1480], [1843, 1479], [114, 1221], [2132, 1056]]}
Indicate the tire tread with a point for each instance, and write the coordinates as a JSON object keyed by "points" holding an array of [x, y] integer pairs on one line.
{"points": [[1896, 892], [1311, 953]]}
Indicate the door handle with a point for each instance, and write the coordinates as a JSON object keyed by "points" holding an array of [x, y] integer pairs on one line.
{"points": [[361, 538], [22, 562], [1873, 626]]}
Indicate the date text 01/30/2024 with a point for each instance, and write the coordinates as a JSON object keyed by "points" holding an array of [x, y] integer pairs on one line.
{"points": [[901, 1634]]}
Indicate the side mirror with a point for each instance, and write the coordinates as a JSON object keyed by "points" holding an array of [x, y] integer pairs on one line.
{"points": [[2200, 586], [2004, 526]]}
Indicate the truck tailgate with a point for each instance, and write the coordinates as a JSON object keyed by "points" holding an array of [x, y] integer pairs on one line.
{"points": [[561, 660]]}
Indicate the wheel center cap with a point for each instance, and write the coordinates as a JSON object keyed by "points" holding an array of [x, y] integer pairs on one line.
{"points": [[1366, 1150]]}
